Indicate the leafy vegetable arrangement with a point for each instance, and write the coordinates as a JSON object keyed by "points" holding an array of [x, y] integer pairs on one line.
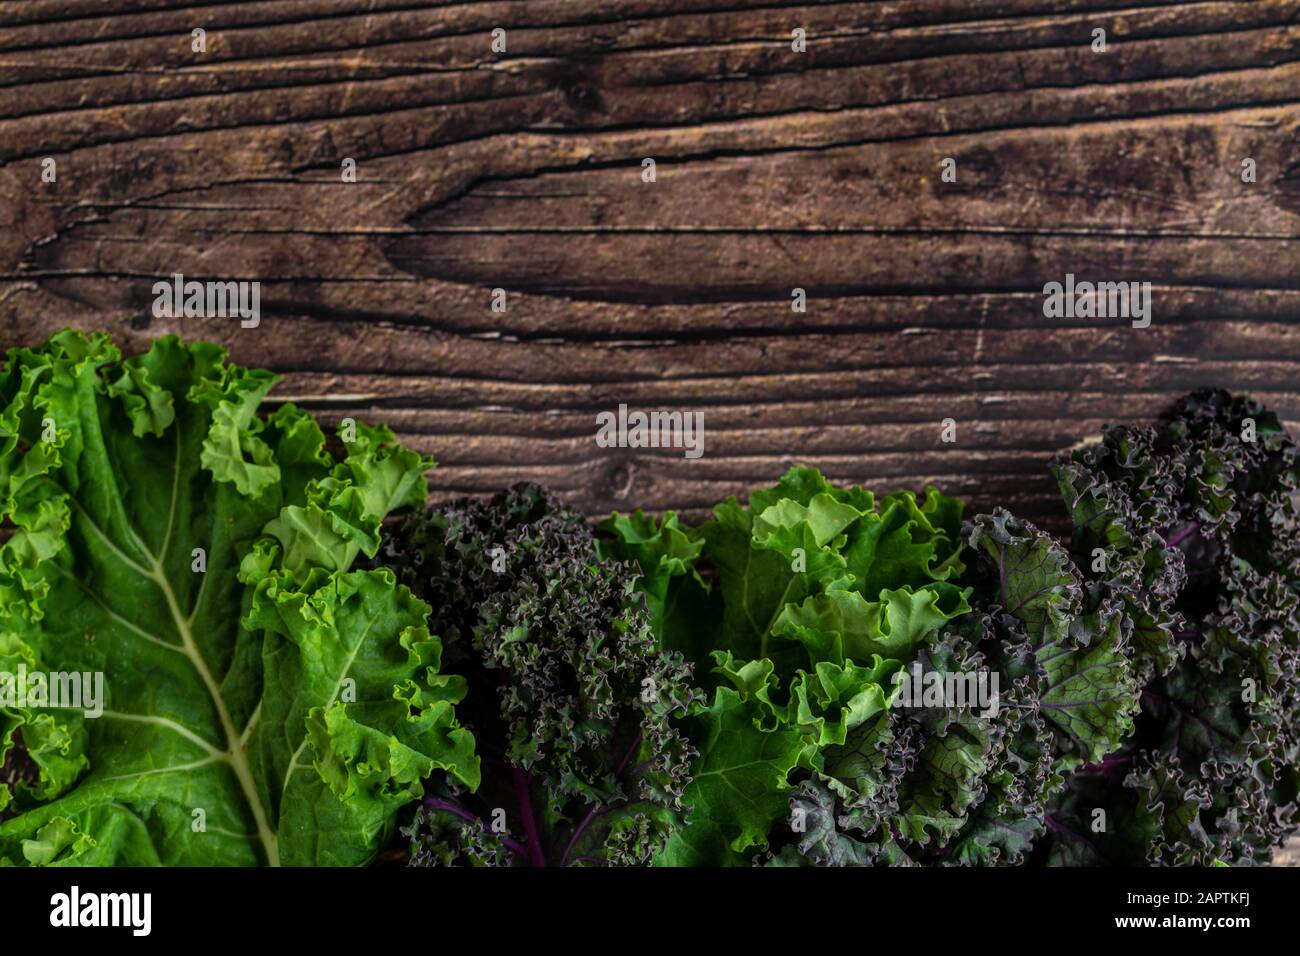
{"points": [[826, 598], [1197, 519], [815, 677], [820, 594], [265, 703], [569, 697], [1149, 709]]}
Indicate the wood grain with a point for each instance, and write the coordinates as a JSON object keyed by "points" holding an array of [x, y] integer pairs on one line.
{"points": [[775, 170]]}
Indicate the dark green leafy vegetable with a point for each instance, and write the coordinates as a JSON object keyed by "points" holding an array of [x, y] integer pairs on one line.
{"points": [[571, 700], [1197, 522]]}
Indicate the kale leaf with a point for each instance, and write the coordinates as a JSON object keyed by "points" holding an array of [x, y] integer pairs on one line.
{"points": [[264, 702], [807, 601], [573, 703], [1194, 522]]}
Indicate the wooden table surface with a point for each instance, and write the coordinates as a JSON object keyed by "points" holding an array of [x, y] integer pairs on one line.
{"points": [[776, 169]]}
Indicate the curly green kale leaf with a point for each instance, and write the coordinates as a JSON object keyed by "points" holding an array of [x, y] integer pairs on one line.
{"points": [[951, 783], [263, 703], [806, 602]]}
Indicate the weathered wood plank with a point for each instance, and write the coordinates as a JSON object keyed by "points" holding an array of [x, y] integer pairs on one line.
{"points": [[776, 169]]}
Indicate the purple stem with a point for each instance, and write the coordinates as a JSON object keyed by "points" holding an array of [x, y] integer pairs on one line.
{"points": [[636, 742], [594, 811], [1182, 534], [591, 815], [523, 792], [1114, 760], [437, 803]]}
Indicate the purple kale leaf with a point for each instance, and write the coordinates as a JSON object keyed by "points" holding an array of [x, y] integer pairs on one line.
{"points": [[573, 704]]}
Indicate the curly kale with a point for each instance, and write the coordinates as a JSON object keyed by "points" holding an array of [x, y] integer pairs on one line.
{"points": [[825, 597], [571, 700], [1145, 672], [1195, 524], [921, 785], [960, 785], [264, 702], [1063, 646], [804, 603]]}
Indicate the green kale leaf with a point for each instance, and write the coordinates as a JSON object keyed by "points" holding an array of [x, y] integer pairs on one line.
{"points": [[804, 604], [263, 703]]}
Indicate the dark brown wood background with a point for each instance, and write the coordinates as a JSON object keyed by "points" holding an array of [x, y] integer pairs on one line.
{"points": [[775, 169]]}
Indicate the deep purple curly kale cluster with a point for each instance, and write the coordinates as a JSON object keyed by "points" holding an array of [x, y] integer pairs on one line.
{"points": [[571, 702]]}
